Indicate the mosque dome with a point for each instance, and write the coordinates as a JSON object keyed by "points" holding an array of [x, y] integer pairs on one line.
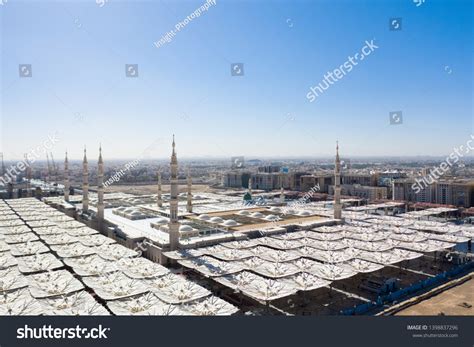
{"points": [[257, 215], [161, 221], [204, 217], [271, 217], [230, 223], [185, 227]]}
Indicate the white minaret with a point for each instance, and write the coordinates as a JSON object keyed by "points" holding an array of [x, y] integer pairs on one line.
{"points": [[100, 190], [337, 185], [85, 183], [66, 178], [189, 205], [173, 225], [250, 185], [159, 197]]}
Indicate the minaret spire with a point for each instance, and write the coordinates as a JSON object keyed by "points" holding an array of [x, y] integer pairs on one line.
{"points": [[100, 154], [189, 205], [337, 185], [66, 178], [173, 225], [159, 197], [85, 182], [100, 190], [174, 159]]}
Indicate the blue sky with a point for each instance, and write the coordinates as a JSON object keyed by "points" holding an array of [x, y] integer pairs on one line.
{"points": [[78, 51]]}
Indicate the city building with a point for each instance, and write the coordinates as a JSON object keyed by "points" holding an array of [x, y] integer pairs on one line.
{"points": [[457, 192], [364, 192]]}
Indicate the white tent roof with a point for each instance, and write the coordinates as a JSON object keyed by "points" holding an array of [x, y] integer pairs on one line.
{"points": [[363, 266], [141, 268], [115, 285], [304, 282], [38, 262], [12, 279], [90, 265], [78, 303], [211, 267], [73, 250], [21, 238], [19, 303], [257, 287], [53, 283], [28, 248]]}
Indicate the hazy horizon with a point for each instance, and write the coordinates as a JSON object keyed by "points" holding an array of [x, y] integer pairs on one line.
{"points": [[93, 158]]}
